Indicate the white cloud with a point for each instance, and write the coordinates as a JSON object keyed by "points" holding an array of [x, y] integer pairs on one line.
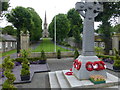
{"points": [[52, 7]]}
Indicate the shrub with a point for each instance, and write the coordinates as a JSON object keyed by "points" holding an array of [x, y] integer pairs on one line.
{"points": [[76, 54], [8, 66], [25, 67], [19, 60], [43, 56], [25, 61], [106, 56], [24, 72], [25, 53], [59, 54], [99, 50], [117, 59]]}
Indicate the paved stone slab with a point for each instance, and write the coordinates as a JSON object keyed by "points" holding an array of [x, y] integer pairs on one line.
{"points": [[53, 80], [74, 82], [34, 68], [61, 79]]}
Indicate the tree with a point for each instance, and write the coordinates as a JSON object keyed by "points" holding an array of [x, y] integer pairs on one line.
{"points": [[36, 31], [9, 30], [76, 35], [62, 27], [21, 18], [4, 5], [75, 26], [117, 28], [111, 9], [75, 20]]}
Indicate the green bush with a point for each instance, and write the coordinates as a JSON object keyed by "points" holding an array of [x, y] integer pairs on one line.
{"points": [[59, 54], [76, 54], [8, 86], [19, 60], [106, 56], [25, 66], [43, 56], [25, 53], [24, 72], [7, 63], [8, 66], [65, 44], [25, 61], [116, 59], [99, 50]]}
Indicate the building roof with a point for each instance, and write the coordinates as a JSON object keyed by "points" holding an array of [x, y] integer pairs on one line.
{"points": [[6, 37]]}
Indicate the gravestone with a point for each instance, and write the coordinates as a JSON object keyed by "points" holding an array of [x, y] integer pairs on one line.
{"points": [[89, 10], [25, 40]]}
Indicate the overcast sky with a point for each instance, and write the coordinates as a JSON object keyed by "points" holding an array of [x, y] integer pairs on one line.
{"points": [[52, 7]]}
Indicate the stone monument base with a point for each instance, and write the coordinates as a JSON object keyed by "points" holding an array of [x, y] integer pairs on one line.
{"points": [[83, 73], [58, 79]]}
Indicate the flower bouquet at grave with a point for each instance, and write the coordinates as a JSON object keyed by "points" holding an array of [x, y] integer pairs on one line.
{"points": [[97, 79]]}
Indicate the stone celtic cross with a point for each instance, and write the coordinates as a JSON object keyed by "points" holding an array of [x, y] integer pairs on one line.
{"points": [[89, 10]]}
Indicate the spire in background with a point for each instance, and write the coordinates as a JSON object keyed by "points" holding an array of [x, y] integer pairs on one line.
{"points": [[45, 31], [45, 21]]}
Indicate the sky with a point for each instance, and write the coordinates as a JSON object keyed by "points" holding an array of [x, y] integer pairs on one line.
{"points": [[52, 8]]}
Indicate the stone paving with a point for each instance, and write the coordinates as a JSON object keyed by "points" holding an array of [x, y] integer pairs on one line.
{"points": [[41, 80], [34, 68]]}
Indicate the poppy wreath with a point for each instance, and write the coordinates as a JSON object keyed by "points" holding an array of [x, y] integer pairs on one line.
{"points": [[69, 73], [77, 64], [89, 66], [102, 65], [97, 65]]}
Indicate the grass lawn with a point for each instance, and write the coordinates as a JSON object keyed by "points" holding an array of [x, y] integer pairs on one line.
{"points": [[8, 53], [48, 46]]}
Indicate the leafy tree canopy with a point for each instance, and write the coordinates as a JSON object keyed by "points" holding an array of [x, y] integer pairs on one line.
{"points": [[9, 30], [74, 19], [110, 10], [117, 28], [62, 27], [36, 31]]}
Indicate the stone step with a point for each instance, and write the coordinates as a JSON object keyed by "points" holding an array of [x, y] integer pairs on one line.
{"points": [[53, 80], [58, 79], [61, 79], [74, 82]]}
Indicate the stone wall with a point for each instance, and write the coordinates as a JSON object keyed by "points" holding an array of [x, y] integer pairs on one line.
{"points": [[24, 40], [52, 54]]}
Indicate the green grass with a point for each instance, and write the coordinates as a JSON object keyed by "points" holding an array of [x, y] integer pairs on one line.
{"points": [[48, 46], [8, 53]]}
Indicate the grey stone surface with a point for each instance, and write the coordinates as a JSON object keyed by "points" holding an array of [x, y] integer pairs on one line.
{"points": [[41, 80], [89, 10], [24, 40], [52, 54], [76, 83], [53, 80], [61, 80], [33, 69], [83, 73]]}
